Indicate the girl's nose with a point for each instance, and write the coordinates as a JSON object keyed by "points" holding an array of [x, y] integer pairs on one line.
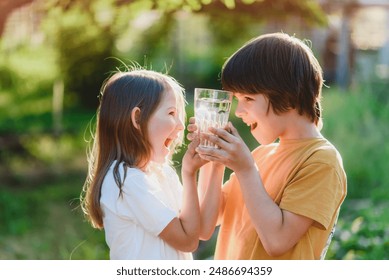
{"points": [[180, 125]]}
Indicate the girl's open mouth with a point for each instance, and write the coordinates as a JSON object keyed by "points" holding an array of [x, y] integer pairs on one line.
{"points": [[168, 142]]}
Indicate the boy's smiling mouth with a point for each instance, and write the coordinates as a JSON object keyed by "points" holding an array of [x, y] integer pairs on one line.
{"points": [[252, 125]]}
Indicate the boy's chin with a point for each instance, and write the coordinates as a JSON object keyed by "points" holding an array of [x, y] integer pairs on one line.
{"points": [[262, 140]]}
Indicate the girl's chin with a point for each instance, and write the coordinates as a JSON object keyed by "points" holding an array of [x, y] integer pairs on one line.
{"points": [[162, 156]]}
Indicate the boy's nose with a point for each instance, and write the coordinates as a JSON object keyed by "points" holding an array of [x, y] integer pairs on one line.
{"points": [[238, 111]]}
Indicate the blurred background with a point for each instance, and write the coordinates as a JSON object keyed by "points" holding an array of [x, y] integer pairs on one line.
{"points": [[55, 54]]}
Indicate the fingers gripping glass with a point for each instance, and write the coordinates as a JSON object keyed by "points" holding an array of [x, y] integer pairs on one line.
{"points": [[212, 109]]}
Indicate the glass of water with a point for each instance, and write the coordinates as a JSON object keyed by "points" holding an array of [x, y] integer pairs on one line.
{"points": [[212, 109]]}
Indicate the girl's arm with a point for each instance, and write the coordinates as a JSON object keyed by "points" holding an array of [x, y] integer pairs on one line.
{"points": [[183, 232], [209, 189]]}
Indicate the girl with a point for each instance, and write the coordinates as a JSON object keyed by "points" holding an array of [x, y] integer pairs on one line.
{"points": [[131, 190]]}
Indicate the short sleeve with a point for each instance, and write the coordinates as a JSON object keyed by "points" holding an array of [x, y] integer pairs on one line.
{"points": [[316, 192], [227, 186], [141, 203]]}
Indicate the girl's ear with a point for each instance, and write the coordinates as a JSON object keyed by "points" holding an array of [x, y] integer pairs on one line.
{"points": [[135, 114]]}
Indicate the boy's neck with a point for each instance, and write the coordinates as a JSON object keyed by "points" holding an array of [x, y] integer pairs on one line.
{"points": [[299, 127]]}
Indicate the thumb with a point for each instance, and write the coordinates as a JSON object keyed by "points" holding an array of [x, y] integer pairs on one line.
{"points": [[195, 142]]}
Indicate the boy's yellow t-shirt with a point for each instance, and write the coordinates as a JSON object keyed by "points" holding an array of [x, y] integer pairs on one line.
{"points": [[305, 177]]}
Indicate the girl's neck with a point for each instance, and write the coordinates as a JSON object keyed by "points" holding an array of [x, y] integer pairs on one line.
{"points": [[152, 165]]}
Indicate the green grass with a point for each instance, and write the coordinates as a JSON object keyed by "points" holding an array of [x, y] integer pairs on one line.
{"points": [[46, 223]]}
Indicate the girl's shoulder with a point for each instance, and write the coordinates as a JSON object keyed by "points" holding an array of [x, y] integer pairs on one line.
{"points": [[162, 172], [154, 174], [126, 170], [169, 169]]}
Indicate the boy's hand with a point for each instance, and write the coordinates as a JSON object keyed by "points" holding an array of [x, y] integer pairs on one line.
{"points": [[231, 151]]}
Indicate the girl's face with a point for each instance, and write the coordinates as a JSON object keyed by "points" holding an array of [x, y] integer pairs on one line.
{"points": [[164, 126], [264, 124]]}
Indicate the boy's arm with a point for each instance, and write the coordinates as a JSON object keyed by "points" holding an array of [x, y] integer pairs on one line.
{"points": [[279, 230]]}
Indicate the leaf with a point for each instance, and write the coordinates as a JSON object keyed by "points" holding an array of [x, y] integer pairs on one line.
{"points": [[357, 224], [230, 4]]}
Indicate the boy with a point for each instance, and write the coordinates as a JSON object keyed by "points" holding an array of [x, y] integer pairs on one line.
{"points": [[283, 199]]}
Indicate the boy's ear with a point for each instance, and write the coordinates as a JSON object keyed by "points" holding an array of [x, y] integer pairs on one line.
{"points": [[135, 114]]}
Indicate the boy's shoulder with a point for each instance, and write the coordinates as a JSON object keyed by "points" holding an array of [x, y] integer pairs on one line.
{"points": [[267, 147], [321, 151], [315, 149], [326, 152]]}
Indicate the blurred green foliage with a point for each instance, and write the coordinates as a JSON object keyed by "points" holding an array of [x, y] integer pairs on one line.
{"points": [[357, 123], [362, 231], [39, 211], [42, 170], [46, 223]]}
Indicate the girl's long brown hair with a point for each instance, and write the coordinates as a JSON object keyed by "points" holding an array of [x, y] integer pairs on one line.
{"points": [[116, 138]]}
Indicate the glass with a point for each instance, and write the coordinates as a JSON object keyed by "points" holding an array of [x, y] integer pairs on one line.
{"points": [[212, 109]]}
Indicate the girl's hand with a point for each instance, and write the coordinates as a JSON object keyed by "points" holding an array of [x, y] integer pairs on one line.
{"points": [[191, 161], [192, 129], [231, 151]]}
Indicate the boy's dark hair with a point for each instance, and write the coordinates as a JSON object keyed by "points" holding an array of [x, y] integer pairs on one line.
{"points": [[281, 67]]}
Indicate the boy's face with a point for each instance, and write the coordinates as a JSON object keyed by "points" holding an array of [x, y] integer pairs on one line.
{"points": [[256, 112]]}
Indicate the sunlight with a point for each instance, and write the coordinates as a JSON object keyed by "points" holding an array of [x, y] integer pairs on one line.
{"points": [[368, 28]]}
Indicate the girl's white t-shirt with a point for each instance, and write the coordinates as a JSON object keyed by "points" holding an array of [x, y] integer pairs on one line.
{"points": [[149, 202]]}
